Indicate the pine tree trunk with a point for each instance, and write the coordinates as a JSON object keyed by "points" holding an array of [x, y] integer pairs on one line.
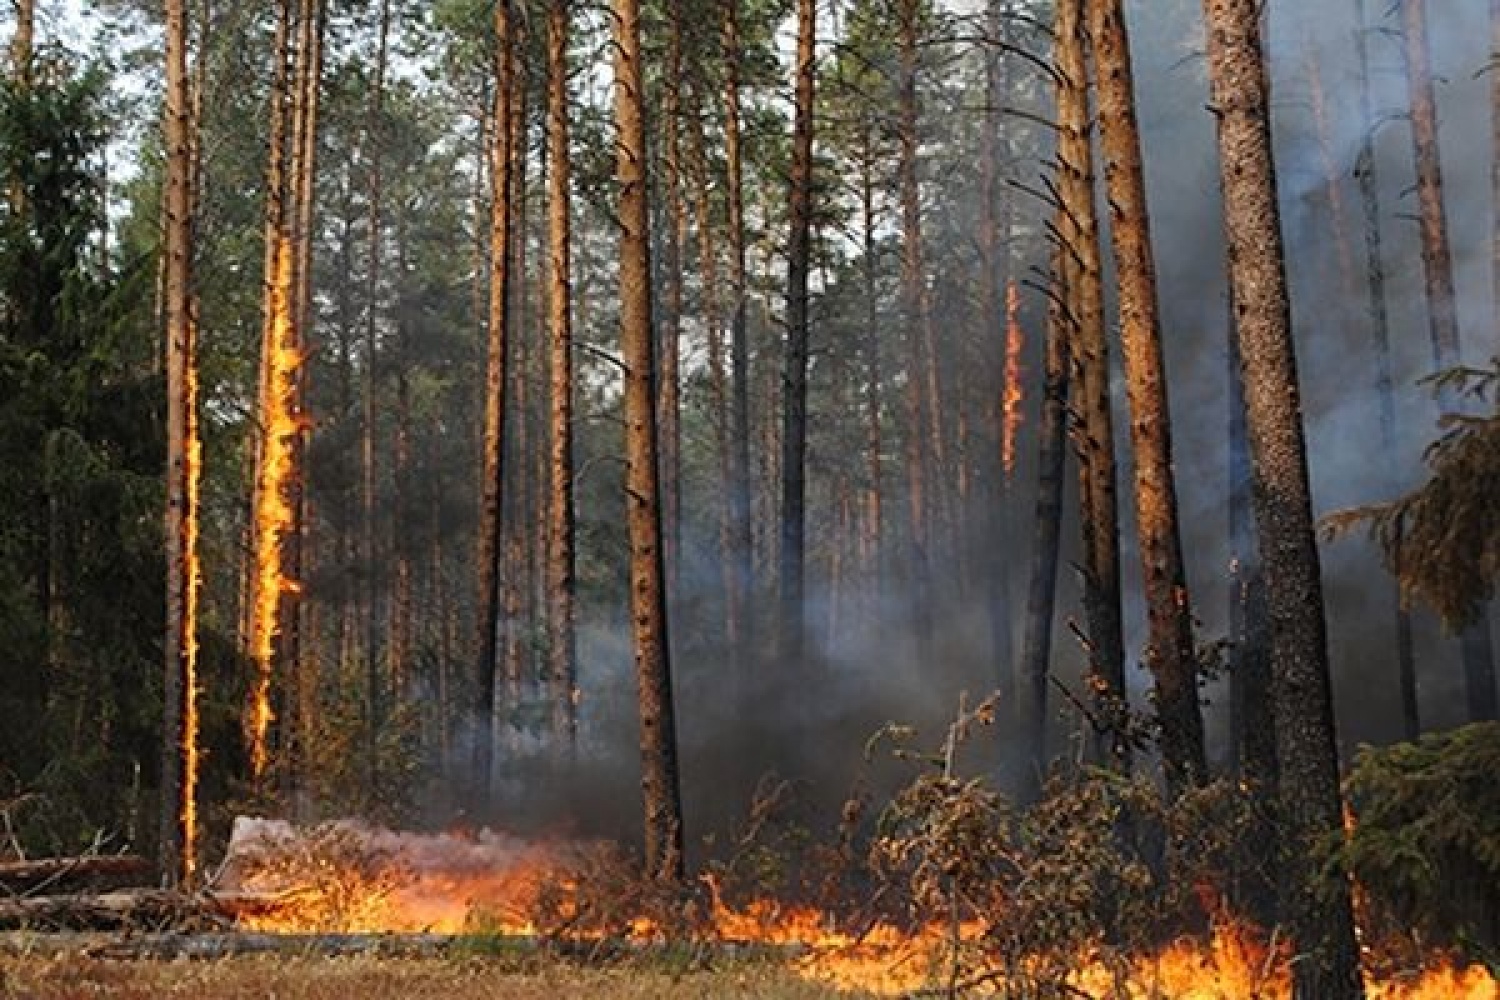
{"points": [[1170, 653], [874, 503], [519, 515], [674, 244], [21, 42], [793, 626], [375, 135], [1041, 596], [1093, 438], [493, 483], [1442, 303], [658, 736], [742, 551], [994, 259], [921, 460], [1322, 925], [561, 587], [180, 684], [1380, 328]]}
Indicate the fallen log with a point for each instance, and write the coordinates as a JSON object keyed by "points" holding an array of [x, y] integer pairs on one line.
{"points": [[95, 871], [118, 910]]}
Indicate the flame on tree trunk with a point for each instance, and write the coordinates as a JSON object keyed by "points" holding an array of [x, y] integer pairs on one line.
{"points": [[1013, 396]]}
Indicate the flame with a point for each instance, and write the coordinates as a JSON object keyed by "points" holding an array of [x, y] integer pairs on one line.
{"points": [[354, 878], [1010, 401], [273, 517], [193, 577]]}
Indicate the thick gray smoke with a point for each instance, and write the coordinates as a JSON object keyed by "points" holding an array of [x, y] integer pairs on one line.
{"points": [[809, 722]]}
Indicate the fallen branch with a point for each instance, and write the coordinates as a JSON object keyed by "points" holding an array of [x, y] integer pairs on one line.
{"points": [[122, 909], [96, 871]]}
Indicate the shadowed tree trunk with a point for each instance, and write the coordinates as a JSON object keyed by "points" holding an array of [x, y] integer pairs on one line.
{"points": [[1380, 328], [1442, 302], [180, 692], [1093, 430], [561, 645], [794, 382], [1321, 924], [674, 246], [1170, 653], [921, 403], [741, 541], [493, 482], [648, 609]]}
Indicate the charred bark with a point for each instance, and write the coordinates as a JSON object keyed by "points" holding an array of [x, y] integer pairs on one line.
{"points": [[1321, 925]]}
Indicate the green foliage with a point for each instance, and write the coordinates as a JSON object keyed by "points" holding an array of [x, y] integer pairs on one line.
{"points": [[1442, 541], [1425, 846]]}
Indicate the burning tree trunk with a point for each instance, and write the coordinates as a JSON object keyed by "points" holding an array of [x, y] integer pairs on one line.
{"points": [[180, 690], [493, 483], [1083, 293], [741, 541], [1170, 654], [561, 646], [276, 509], [659, 781], [794, 384], [1380, 328], [1322, 926], [1442, 302]]}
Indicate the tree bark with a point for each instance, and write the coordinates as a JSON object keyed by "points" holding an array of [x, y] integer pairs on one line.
{"points": [[652, 649], [921, 402], [1170, 653], [21, 42], [497, 344], [1380, 328], [1093, 432], [178, 844], [794, 381], [1322, 926], [561, 586], [1442, 303], [674, 244], [742, 552], [1041, 596]]}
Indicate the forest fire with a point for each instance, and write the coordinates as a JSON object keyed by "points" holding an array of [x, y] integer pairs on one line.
{"points": [[192, 592], [348, 877], [1014, 395], [273, 517]]}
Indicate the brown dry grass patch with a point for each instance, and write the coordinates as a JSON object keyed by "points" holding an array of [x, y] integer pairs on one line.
{"points": [[72, 977]]}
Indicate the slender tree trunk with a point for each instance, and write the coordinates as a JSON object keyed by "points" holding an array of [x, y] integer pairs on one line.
{"points": [[659, 776], [1041, 597], [375, 138], [497, 346], [674, 247], [1170, 653], [1442, 303], [742, 550], [518, 604], [920, 460], [994, 258], [178, 853], [794, 381], [1380, 328], [1322, 926], [21, 42], [1094, 426], [561, 587], [874, 506]]}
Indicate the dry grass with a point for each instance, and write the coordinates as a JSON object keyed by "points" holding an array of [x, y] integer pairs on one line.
{"points": [[70, 977]]}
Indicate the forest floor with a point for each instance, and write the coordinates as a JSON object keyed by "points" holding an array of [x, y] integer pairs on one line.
{"points": [[72, 977]]}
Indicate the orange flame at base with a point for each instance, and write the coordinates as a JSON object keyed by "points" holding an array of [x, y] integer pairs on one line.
{"points": [[193, 577]]}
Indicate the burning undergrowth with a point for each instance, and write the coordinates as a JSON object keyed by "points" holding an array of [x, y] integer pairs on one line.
{"points": [[1101, 889]]}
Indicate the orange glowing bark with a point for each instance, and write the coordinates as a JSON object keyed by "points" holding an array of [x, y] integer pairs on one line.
{"points": [[1014, 393], [274, 512]]}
